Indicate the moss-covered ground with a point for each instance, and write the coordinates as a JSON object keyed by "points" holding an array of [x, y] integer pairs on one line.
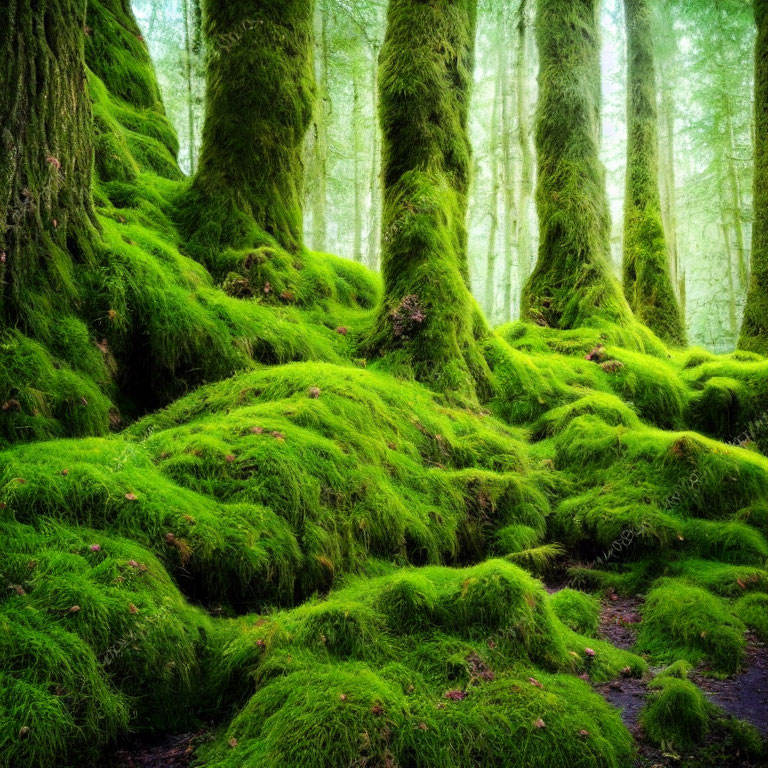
{"points": [[211, 508]]}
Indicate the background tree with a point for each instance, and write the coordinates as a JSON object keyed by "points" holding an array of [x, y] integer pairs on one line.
{"points": [[428, 324], [754, 331], [647, 282], [572, 283]]}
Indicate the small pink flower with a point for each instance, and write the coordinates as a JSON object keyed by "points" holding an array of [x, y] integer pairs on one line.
{"points": [[539, 723], [589, 651], [95, 548]]}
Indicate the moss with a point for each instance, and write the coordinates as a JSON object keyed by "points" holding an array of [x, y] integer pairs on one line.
{"points": [[572, 284], [432, 691], [754, 330], [647, 281], [752, 609], [428, 329], [577, 610], [93, 637], [677, 714], [682, 621], [246, 192]]}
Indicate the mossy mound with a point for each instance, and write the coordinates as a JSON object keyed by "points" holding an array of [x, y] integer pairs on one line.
{"points": [[94, 638], [677, 715], [577, 610], [480, 673], [685, 622]]}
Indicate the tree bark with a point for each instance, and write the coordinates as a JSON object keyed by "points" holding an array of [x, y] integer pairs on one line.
{"points": [[428, 324], [188, 55], [489, 292], [572, 284], [647, 282], [754, 330], [259, 101], [47, 224], [525, 139]]}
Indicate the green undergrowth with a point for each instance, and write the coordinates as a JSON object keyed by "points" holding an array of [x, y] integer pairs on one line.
{"points": [[94, 639], [146, 322], [431, 667], [677, 715]]}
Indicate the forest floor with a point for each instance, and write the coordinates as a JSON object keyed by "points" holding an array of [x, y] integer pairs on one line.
{"points": [[743, 695]]}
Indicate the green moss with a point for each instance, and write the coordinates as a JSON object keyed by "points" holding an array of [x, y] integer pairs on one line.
{"points": [[577, 610], [572, 284], [247, 190], [419, 672], [754, 330], [428, 328], [752, 609], [677, 714], [93, 637], [682, 621], [647, 281]]}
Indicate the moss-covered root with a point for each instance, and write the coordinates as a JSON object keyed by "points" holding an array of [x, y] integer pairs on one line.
{"points": [[647, 281], [572, 284], [258, 107], [428, 324], [754, 331], [46, 214]]}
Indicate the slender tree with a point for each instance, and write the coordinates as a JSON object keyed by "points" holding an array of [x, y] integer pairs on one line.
{"points": [[259, 103], [754, 330], [647, 281], [428, 323], [525, 140], [572, 283]]}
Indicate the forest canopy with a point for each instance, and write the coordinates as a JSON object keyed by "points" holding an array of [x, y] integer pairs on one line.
{"points": [[384, 383]]}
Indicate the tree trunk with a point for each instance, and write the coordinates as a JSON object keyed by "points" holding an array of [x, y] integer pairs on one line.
{"points": [[374, 235], [754, 330], [259, 100], [47, 224], [647, 282], [357, 240], [188, 55], [572, 284], [319, 191], [489, 291], [525, 138], [428, 324], [669, 185], [507, 58]]}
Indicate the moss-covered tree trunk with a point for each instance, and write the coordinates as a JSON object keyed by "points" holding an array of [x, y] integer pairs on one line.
{"points": [[47, 223], [572, 283], [647, 282], [259, 100], [428, 323], [754, 330]]}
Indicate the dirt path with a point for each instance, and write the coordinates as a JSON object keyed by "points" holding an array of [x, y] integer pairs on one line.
{"points": [[174, 751], [744, 695]]}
